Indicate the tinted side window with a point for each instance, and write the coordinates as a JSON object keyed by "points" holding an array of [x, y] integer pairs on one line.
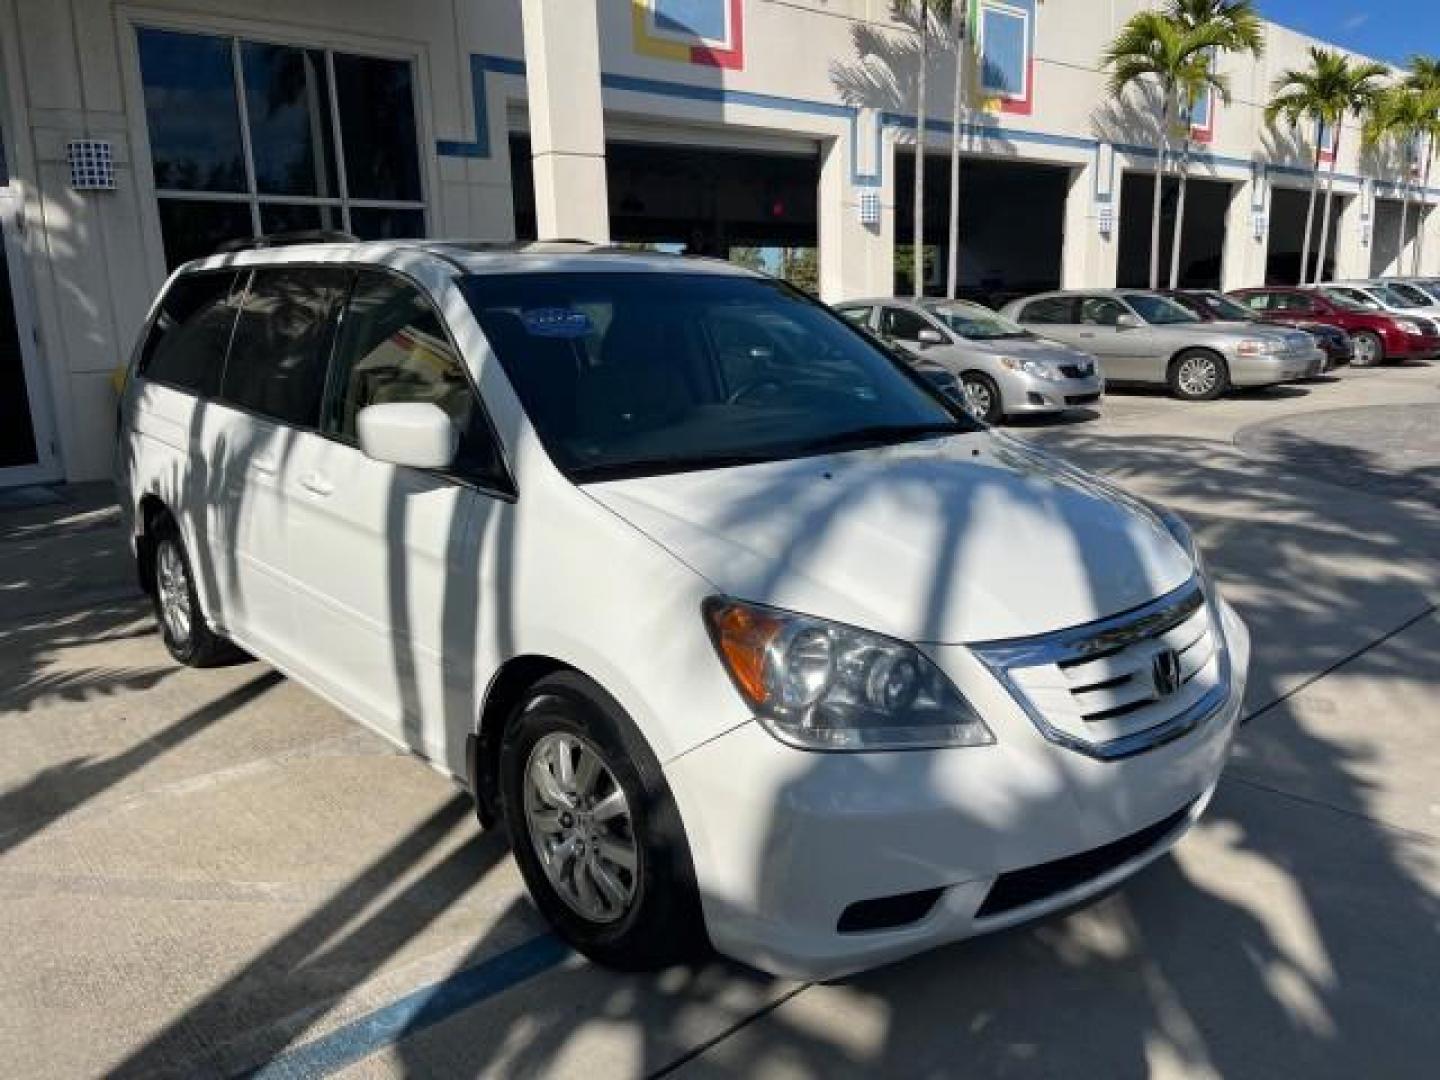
{"points": [[186, 343], [278, 358], [860, 316], [392, 347], [901, 324], [1051, 309], [1256, 301], [1100, 311]]}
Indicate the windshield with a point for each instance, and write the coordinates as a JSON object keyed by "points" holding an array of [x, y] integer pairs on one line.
{"points": [[1222, 307], [1157, 310], [630, 374], [1413, 293], [1394, 297], [977, 323], [1350, 300]]}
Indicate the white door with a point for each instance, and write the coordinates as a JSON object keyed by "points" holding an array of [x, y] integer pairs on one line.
{"points": [[27, 441]]}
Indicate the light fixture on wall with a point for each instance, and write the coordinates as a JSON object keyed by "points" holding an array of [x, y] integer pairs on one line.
{"points": [[868, 208], [92, 164]]}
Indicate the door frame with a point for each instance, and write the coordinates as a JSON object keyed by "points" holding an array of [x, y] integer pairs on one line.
{"points": [[46, 467]]}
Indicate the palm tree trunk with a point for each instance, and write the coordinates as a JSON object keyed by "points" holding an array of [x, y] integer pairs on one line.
{"points": [[1309, 218], [1418, 268], [1404, 222], [1162, 148], [919, 240], [957, 107], [1179, 230], [1325, 218]]}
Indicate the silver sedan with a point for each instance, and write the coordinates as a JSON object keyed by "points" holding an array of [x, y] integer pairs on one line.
{"points": [[1003, 369], [1142, 337]]}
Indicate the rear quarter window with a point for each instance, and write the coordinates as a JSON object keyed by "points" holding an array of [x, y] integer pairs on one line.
{"points": [[187, 340], [1051, 310]]}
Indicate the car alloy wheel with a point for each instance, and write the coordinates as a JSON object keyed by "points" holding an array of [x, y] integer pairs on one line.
{"points": [[580, 827], [1368, 350], [172, 584], [981, 399], [1198, 376]]}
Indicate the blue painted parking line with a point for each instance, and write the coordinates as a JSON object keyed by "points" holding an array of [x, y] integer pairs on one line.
{"points": [[416, 1011]]}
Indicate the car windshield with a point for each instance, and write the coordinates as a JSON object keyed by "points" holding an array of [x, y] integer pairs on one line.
{"points": [[977, 323], [1394, 297], [1413, 293], [1157, 310], [1349, 300], [1222, 307], [637, 373]]}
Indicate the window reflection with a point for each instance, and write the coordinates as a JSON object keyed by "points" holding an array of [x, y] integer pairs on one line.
{"points": [[191, 110], [287, 102]]}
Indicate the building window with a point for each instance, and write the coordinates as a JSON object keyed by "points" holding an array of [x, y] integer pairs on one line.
{"points": [[248, 137], [1005, 51]]}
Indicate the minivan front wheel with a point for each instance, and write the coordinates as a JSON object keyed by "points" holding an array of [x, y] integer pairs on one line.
{"points": [[595, 830], [1198, 375]]}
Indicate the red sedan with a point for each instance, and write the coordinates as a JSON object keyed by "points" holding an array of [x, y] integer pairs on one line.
{"points": [[1378, 335]]}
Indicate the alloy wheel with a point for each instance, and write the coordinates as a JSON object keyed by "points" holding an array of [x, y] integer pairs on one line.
{"points": [[172, 584], [1367, 350], [978, 400], [580, 826], [1198, 376]]}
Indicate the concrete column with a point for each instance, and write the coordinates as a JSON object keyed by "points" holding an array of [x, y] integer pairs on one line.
{"points": [[1089, 257], [1352, 256], [856, 259], [1243, 255], [1430, 255], [567, 122]]}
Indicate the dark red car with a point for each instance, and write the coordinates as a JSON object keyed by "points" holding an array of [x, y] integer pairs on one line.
{"points": [[1377, 335]]}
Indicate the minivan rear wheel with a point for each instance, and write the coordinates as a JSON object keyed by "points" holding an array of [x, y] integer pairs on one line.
{"points": [[1198, 375], [594, 828], [183, 627]]}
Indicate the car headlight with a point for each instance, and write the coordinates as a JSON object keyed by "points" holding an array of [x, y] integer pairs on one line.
{"points": [[1032, 367], [1410, 326], [1260, 347], [820, 685]]}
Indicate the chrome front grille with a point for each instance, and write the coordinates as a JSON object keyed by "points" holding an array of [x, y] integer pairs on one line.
{"points": [[1122, 685]]}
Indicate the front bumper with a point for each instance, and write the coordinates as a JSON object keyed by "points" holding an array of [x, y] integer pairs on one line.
{"points": [[784, 841], [1024, 394], [1269, 370]]}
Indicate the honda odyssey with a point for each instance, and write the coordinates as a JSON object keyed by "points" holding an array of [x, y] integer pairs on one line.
{"points": [[748, 635]]}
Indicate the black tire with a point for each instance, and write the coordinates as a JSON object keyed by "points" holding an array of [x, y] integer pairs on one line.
{"points": [[1198, 375], [194, 644], [1369, 349], [660, 923], [982, 397]]}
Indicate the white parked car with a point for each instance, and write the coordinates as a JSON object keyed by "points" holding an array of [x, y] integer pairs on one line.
{"points": [[745, 631]]}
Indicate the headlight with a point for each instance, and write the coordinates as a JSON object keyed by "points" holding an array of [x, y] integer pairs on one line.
{"points": [[1260, 347], [1032, 367], [1410, 326], [821, 685]]}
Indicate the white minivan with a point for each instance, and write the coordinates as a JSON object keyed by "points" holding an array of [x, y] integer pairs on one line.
{"points": [[747, 634]]}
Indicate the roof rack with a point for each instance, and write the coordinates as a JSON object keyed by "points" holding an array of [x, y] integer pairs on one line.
{"points": [[286, 239]]}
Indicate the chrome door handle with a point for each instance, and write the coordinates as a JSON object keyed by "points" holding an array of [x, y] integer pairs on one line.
{"points": [[316, 484]]}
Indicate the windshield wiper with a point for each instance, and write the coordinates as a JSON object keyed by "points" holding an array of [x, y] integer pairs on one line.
{"points": [[882, 435]]}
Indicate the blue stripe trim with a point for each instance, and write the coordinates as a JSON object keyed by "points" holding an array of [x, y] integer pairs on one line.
{"points": [[415, 1011]]}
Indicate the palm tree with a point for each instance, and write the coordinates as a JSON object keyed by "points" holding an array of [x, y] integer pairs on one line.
{"points": [[1398, 116], [1153, 47], [1332, 87], [917, 13], [1424, 79], [1244, 32]]}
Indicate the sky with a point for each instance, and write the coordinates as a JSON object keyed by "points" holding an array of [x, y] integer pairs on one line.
{"points": [[1389, 30]]}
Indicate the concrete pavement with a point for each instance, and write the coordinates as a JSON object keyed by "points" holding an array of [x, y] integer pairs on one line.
{"points": [[202, 872]]}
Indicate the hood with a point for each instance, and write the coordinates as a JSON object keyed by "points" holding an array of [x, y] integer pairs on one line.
{"points": [[959, 539], [1035, 348]]}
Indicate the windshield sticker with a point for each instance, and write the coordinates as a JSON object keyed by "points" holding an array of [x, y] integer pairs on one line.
{"points": [[557, 322]]}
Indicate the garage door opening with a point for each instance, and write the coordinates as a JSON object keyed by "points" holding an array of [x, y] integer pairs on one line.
{"points": [[1202, 242], [1389, 254], [1012, 226], [1288, 208], [755, 208]]}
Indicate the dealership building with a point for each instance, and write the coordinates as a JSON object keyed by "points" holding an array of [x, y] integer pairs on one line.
{"points": [[137, 135]]}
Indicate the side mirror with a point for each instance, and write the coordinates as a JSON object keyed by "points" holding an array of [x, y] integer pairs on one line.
{"points": [[418, 434], [1126, 321], [930, 337]]}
